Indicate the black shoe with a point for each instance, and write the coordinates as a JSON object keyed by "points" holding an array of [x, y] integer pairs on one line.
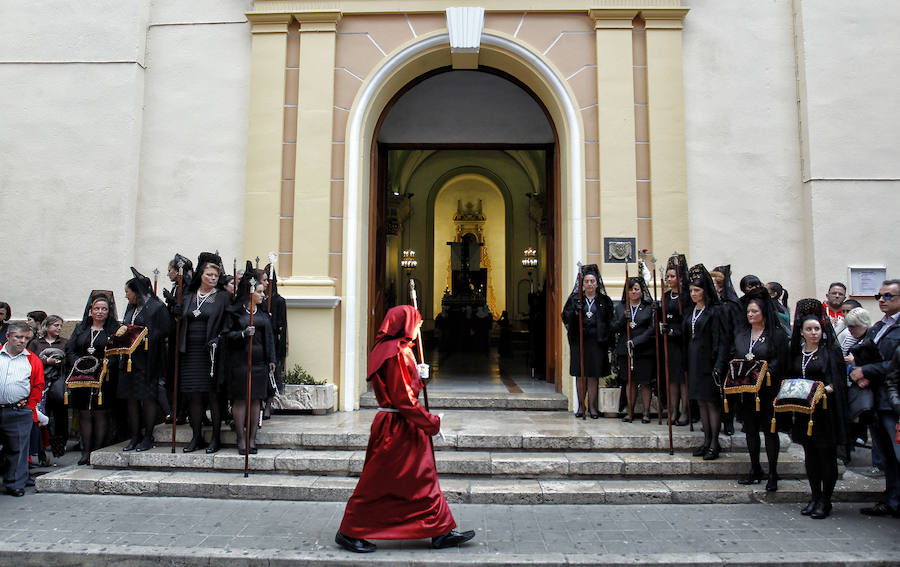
{"points": [[15, 491], [132, 444], [821, 510], [196, 443], [807, 510], [595, 415], [628, 419], [753, 477], [85, 459], [253, 450], [43, 461], [711, 454], [452, 538], [645, 419], [579, 414], [213, 446], [353, 544], [145, 445], [681, 423], [700, 451], [729, 429], [880, 509], [772, 483], [242, 452]]}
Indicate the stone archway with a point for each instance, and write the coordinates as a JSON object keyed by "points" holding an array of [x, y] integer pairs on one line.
{"points": [[431, 52]]}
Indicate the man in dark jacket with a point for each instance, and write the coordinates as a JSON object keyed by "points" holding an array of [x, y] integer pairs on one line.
{"points": [[886, 336]]}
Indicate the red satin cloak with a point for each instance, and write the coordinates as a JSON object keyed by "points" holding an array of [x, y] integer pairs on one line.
{"points": [[398, 496]]}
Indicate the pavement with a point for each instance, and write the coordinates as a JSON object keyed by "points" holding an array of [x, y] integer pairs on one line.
{"points": [[64, 529]]}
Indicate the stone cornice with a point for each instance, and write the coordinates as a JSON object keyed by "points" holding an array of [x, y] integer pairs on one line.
{"points": [[612, 18], [439, 6], [672, 18], [268, 23], [324, 21]]}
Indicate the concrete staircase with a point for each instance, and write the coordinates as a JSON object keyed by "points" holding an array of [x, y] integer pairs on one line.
{"points": [[522, 457]]}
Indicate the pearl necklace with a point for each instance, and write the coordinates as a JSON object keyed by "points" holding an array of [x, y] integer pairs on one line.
{"points": [[804, 362], [201, 299], [589, 304], [694, 317], [94, 335], [750, 355]]}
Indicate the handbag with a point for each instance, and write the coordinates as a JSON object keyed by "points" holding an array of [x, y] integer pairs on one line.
{"points": [[746, 376], [801, 396], [859, 400]]}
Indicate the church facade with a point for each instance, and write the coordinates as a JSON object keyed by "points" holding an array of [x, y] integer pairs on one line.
{"points": [[345, 134]]}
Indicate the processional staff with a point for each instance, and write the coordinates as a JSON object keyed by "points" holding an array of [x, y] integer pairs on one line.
{"points": [[415, 302], [666, 359], [249, 375], [180, 279], [580, 280]]}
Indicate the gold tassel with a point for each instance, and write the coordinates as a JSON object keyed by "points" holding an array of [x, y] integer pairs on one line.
{"points": [[725, 399], [773, 425], [66, 397], [757, 403], [809, 427], [146, 344], [768, 380], [100, 397], [825, 402], [129, 363]]}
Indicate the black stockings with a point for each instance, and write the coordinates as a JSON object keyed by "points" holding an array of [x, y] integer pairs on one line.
{"points": [[821, 470], [711, 417], [590, 387], [92, 424], [773, 445], [138, 409], [239, 409], [197, 407]]}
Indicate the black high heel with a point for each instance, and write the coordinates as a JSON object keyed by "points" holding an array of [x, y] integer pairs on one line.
{"points": [[700, 451], [214, 445], [196, 443], [711, 454], [132, 445], [85, 459], [807, 510], [772, 483], [753, 477], [145, 445]]}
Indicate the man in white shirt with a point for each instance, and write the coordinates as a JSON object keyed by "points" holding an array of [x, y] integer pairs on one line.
{"points": [[21, 388]]}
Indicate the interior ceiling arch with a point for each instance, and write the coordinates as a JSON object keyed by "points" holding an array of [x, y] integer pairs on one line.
{"points": [[466, 107]]}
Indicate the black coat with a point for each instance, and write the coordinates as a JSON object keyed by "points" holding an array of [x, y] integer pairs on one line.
{"points": [[596, 334], [147, 366], [642, 335], [705, 351], [876, 372], [236, 320], [219, 300], [892, 383]]}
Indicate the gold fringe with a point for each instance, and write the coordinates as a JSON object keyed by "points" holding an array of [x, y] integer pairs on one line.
{"points": [[99, 397], [757, 403], [725, 399], [768, 380], [809, 427], [66, 397], [772, 429], [146, 344], [129, 363]]}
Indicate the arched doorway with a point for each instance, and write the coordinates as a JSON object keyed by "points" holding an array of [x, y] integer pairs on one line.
{"points": [[365, 171]]}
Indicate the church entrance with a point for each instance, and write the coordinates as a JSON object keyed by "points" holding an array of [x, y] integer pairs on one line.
{"points": [[464, 210]]}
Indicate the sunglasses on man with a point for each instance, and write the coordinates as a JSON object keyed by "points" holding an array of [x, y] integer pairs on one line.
{"points": [[886, 296]]}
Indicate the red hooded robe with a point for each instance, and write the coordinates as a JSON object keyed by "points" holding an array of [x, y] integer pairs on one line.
{"points": [[398, 496]]}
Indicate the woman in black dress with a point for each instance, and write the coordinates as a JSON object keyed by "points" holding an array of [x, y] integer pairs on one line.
{"points": [[678, 302], [816, 356], [238, 336], [88, 341], [5, 314], [276, 307], [637, 314], [704, 357], [202, 313], [596, 321], [760, 337], [139, 380]]}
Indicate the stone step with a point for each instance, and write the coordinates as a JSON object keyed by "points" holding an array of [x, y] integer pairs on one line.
{"points": [[268, 486], [513, 464], [471, 430], [492, 401]]}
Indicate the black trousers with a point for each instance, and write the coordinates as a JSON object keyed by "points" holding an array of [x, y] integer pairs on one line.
{"points": [[15, 432]]}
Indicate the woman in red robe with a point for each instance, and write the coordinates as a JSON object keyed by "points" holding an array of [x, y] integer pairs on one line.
{"points": [[398, 496]]}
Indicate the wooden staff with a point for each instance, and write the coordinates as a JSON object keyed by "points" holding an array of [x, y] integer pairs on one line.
{"points": [[177, 351], [687, 402], [234, 282], [249, 375], [415, 302], [656, 339], [666, 359], [581, 340], [628, 323]]}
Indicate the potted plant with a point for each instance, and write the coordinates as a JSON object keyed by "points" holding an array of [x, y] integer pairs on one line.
{"points": [[302, 391], [608, 398]]}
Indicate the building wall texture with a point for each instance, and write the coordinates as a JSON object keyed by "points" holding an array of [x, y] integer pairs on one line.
{"points": [[127, 134]]}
